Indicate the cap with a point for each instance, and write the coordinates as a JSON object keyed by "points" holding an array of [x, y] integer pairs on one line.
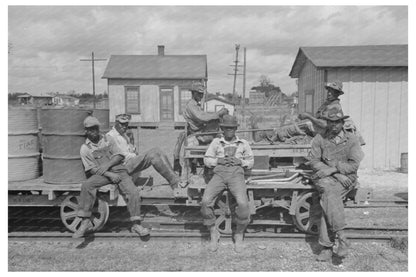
{"points": [[123, 118], [229, 121], [91, 121]]}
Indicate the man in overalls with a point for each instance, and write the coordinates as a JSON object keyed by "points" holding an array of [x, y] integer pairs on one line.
{"points": [[102, 164], [229, 156], [335, 157]]}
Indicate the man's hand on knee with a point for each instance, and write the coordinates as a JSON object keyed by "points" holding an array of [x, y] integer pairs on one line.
{"points": [[344, 180]]}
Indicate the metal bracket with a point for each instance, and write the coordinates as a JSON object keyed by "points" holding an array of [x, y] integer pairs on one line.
{"points": [[293, 203]]}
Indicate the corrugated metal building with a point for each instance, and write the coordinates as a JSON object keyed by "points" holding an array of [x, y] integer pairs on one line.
{"points": [[154, 89], [375, 80]]}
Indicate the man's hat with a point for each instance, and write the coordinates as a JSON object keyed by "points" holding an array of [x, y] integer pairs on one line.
{"points": [[123, 118], [91, 121], [335, 86], [198, 87], [229, 121], [334, 114]]}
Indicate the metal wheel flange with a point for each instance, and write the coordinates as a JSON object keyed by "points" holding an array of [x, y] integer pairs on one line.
{"points": [[69, 218], [308, 212], [224, 210]]}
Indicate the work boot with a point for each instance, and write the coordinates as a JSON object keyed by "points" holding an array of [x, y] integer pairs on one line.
{"points": [[180, 190], [140, 230], [343, 244], [86, 225], [215, 237], [238, 238], [325, 255]]}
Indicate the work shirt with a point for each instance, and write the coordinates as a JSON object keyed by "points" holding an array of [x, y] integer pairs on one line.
{"points": [[238, 148], [196, 117], [87, 152], [327, 105], [342, 152], [121, 145]]}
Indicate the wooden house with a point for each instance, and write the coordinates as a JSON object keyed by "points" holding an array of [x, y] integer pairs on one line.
{"points": [[214, 104], [375, 82], [154, 89]]}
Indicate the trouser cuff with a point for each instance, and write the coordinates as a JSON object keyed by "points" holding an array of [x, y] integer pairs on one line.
{"points": [[326, 244], [82, 213], [135, 218]]}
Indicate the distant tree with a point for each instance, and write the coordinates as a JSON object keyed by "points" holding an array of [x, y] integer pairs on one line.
{"points": [[266, 86]]}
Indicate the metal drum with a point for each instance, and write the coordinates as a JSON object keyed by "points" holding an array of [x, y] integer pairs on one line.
{"points": [[23, 144], [62, 137]]}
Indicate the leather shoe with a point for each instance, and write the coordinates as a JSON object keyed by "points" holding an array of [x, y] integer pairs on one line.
{"points": [[140, 230], [325, 255], [86, 225]]}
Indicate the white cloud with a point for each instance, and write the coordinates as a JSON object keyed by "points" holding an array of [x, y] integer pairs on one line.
{"points": [[49, 41]]}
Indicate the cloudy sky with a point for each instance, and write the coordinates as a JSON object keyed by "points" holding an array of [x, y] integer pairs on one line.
{"points": [[48, 42]]}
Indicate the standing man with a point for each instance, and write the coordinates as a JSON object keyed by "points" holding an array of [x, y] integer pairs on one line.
{"points": [[102, 165], [197, 121], [135, 162], [229, 156], [335, 158]]}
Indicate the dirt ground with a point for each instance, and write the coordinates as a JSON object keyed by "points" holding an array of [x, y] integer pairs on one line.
{"points": [[183, 255]]}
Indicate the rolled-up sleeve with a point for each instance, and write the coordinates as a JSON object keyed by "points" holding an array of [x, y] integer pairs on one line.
{"points": [[87, 158], [355, 156], [197, 114], [210, 158], [247, 161]]}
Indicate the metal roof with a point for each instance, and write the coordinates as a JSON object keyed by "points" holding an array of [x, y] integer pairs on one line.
{"points": [[351, 56], [157, 67]]}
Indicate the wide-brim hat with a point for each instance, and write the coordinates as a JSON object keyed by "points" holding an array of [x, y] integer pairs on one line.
{"points": [[337, 86], [91, 121], [229, 121], [123, 118], [334, 114]]}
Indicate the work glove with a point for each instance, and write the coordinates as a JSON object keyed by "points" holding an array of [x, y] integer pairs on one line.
{"points": [[303, 116], [223, 112], [344, 180]]}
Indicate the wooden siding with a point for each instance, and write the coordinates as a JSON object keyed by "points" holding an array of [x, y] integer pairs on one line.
{"points": [[149, 99], [311, 78], [376, 100]]}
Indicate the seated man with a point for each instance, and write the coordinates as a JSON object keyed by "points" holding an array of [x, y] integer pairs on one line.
{"points": [[135, 162], [335, 157], [198, 121], [229, 156], [103, 166]]}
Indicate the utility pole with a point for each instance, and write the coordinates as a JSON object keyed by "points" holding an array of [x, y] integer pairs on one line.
{"points": [[93, 74], [235, 65], [244, 80]]}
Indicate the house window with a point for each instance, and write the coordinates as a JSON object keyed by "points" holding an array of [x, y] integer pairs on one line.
{"points": [[132, 100], [219, 107], [309, 94], [184, 96]]}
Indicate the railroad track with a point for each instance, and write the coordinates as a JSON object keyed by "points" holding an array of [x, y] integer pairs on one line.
{"points": [[45, 224]]}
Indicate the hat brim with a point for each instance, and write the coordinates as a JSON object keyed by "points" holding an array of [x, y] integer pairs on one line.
{"points": [[330, 119], [337, 90], [123, 121]]}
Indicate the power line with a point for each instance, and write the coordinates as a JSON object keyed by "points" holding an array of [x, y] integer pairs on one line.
{"points": [[93, 74]]}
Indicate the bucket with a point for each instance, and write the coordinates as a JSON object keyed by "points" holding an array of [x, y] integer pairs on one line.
{"points": [[62, 136], [23, 144], [404, 162]]}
